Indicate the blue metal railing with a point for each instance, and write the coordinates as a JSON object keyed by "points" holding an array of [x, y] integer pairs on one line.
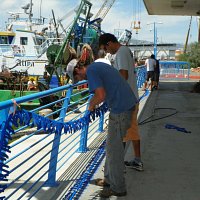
{"points": [[40, 155], [141, 75], [57, 155], [174, 69]]}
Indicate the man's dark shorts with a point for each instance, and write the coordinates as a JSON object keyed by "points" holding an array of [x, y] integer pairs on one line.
{"points": [[150, 75], [156, 76]]}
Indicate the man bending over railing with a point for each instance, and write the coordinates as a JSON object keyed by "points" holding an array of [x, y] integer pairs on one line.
{"points": [[108, 85]]}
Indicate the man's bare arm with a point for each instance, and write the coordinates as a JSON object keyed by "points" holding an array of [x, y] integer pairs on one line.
{"points": [[124, 73], [99, 97]]}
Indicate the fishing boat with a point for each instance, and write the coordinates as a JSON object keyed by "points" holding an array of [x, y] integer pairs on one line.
{"points": [[24, 43], [23, 47]]}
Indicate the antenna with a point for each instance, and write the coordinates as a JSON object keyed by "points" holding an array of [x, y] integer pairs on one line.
{"points": [[41, 10], [28, 10]]}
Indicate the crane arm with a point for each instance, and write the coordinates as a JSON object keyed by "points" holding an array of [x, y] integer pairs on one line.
{"points": [[84, 3], [104, 9]]}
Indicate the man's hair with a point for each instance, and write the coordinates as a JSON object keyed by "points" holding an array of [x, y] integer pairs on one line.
{"points": [[107, 37], [101, 53]]}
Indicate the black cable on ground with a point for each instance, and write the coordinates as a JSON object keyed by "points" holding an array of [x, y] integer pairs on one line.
{"points": [[150, 119]]}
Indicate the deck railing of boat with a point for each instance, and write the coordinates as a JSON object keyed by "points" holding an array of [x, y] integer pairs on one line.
{"points": [[49, 139], [5, 48], [20, 50], [41, 49]]}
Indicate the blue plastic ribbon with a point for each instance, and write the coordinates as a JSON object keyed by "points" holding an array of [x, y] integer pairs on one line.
{"points": [[146, 93], [4, 150], [170, 126], [23, 117]]}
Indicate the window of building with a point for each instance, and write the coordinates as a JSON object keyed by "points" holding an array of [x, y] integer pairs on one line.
{"points": [[3, 40], [23, 40]]}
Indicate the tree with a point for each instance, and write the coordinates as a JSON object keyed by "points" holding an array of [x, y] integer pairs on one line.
{"points": [[192, 56]]}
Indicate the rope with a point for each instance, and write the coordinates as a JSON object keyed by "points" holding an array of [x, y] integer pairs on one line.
{"points": [[15, 105], [150, 119]]}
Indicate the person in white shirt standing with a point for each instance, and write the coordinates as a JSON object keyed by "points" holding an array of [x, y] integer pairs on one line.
{"points": [[124, 63], [150, 63]]}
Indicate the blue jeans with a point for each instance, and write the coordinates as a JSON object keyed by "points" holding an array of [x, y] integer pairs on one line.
{"points": [[114, 165]]}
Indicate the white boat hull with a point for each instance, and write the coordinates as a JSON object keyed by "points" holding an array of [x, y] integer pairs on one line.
{"points": [[33, 66]]}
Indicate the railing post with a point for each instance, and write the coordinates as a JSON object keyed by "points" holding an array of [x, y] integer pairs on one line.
{"points": [[4, 115], [51, 181], [83, 140], [188, 71], [101, 122]]}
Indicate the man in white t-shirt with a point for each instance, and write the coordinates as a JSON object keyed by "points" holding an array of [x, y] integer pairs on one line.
{"points": [[150, 64], [124, 63]]}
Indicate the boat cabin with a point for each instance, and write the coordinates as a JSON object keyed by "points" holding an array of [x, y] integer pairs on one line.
{"points": [[6, 37], [27, 43]]}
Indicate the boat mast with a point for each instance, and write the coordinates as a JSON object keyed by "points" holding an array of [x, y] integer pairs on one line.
{"points": [[30, 15], [41, 10], [55, 25]]}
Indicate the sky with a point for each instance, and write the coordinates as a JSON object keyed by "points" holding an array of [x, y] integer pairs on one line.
{"points": [[170, 29]]}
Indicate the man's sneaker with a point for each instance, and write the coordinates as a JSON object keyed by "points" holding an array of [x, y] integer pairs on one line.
{"points": [[134, 165], [155, 87], [101, 182]]}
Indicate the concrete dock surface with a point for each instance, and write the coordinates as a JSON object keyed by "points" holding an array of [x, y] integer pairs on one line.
{"points": [[171, 157]]}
